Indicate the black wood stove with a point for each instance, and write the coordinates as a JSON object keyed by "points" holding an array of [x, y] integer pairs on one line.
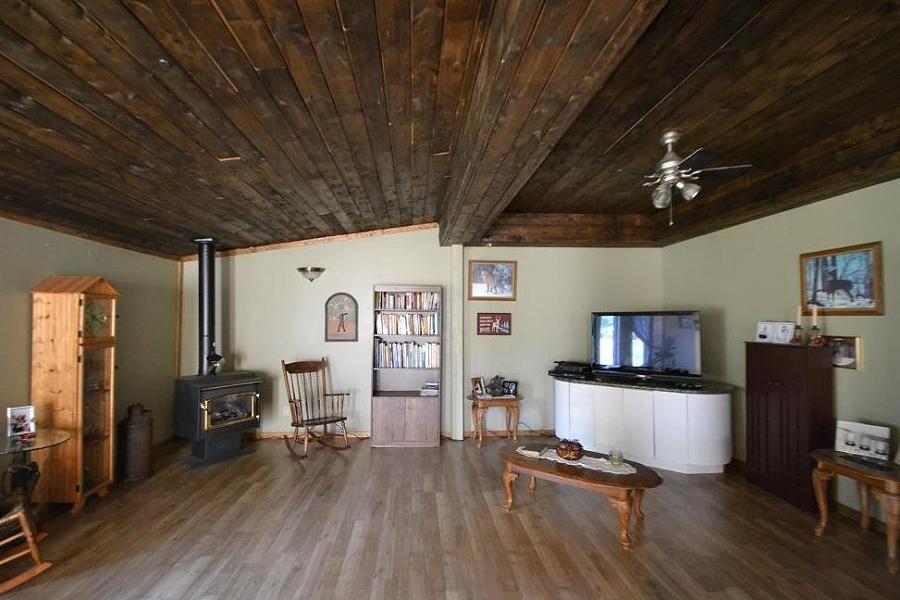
{"points": [[214, 411]]}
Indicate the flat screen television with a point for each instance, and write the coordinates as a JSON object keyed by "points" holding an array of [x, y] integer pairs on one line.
{"points": [[651, 345]]}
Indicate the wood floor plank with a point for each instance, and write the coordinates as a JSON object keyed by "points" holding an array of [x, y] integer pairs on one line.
{"points": [[429, 523]]}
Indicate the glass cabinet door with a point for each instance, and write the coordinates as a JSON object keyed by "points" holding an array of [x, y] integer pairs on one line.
{"points": [[98, 317], [96, 414]]}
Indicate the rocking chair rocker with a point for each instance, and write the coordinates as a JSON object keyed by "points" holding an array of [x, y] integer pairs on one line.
{"points": [[312, 406]]}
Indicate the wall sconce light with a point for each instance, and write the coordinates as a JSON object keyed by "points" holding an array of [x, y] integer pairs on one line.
{"points": [[311, 273]]}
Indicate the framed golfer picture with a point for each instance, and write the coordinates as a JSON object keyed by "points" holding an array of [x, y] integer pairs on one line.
{"points": [[341, 317]]}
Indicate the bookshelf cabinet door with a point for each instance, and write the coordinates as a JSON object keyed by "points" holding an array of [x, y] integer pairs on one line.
{"points": [[388, 420], [422, 419]]}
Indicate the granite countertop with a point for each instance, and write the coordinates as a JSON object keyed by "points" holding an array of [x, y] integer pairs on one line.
{"points": [[709, 387]]}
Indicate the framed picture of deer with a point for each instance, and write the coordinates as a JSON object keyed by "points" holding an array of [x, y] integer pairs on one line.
{"points": [[843, 281], [492, 280]]}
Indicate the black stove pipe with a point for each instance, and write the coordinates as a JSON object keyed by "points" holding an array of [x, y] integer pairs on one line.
{"points": [[206, 284]]}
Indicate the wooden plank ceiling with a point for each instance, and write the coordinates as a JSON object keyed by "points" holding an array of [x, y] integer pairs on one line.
{"points": [[145, 123]]}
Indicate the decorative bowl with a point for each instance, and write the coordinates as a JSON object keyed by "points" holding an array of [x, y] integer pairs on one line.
{"points": [[569, 449]]}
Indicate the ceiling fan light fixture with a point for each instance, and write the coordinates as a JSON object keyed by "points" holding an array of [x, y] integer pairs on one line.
{"points": [[662, 196], [688, 190]]}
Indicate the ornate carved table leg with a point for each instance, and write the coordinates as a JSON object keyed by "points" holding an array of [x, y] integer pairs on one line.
{"points": [[863, 505], [509, 480], [638, 512], [623, 505], [532, 485], [820, 480]]}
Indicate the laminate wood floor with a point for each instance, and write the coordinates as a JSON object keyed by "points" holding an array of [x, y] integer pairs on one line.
{"points": [[429, 523]]}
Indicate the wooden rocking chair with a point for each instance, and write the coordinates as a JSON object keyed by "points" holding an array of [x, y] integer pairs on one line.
{"points": [[312, 406], [17, 525]]}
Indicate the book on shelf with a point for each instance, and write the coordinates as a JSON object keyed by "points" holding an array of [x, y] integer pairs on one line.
{"points": [[408, 300], [489, 397], [407, 324], [407, 355], [431, 388]]}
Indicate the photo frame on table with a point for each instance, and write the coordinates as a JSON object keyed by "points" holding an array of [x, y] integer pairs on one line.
{"points": [[510, 388], [843, 281], [846, 351], [341, 318], [20, 421], [493, 323], [492, 280], [478, 386]]}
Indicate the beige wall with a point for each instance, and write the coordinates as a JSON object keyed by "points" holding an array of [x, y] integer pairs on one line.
{"points": [[558, 288], [146, 326], [269, 312], [750, 273]]}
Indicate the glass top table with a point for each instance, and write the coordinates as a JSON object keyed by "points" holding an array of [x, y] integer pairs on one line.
{"points": [[44, 438]]}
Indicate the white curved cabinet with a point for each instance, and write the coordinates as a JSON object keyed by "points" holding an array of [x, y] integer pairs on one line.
{"points": [[687, 432]]}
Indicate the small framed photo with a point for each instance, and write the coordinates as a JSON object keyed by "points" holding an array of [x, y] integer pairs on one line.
{"points": [[341, 317], [510, 388], [492, 280], [846, 351], [494, 324], [862, 439], [20, 421], [478, 386]]}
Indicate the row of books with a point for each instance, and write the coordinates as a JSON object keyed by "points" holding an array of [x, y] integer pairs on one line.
{"points": [[408, 324], [407, 355], [408, 300], [431, 388]]}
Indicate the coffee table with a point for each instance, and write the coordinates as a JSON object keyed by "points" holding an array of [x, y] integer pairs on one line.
{"points": [[624, 492]]}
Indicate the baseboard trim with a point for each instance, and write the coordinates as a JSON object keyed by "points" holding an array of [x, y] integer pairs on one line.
{"points": [[854, 515]]}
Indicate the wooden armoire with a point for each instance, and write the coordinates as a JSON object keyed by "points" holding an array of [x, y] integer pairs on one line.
{"points": [[72, 385], [790, 412]]}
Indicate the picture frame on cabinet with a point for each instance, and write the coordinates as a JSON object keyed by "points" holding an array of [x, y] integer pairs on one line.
{"points": [[862, 439], [478, 386]]}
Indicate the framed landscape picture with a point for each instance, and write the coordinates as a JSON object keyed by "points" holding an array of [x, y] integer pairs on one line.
{"points": [[341, 316], [494, 324], [843, 281], [492, 280]]}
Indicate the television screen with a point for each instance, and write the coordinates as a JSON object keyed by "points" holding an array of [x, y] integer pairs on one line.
{"points": [[652, 343]]}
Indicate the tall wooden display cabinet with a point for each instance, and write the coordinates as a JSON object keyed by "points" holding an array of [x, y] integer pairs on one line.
{"points": [[72, 385]]}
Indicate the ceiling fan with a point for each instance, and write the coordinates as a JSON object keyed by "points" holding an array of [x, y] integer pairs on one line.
{"points": [[672, 171]]}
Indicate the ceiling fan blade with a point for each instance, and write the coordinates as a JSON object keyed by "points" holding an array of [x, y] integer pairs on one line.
{"points": [[689, 156], [728, 168]]}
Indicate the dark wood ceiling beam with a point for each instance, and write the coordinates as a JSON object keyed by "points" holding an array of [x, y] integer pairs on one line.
{"points": [[469, 213], [572, 230]]}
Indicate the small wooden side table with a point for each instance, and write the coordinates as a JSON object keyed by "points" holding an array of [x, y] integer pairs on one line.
{"points": [[480, 406], [884, 485]]}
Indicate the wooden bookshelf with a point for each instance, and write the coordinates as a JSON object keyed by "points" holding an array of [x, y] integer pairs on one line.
{"points": [[406, 354]]}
